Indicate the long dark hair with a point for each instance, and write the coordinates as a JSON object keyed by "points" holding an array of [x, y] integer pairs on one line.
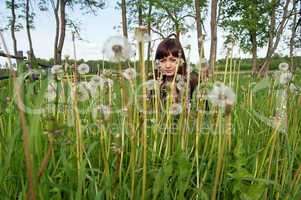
{"points": [[172, 46]]}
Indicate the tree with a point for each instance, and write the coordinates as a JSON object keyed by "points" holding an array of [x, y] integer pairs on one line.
{"points": [[213, 43], [14, 24], [170, 17], [62, 21], [139, 14], [275, 32], [247, 22], [29, 25], [198, 20], [124, 20], [293, 35]]}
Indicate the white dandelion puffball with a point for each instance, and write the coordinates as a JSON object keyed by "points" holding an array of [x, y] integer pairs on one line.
{"points": [[283, 67], [285, 78], [94, 89], [97, 81], [141, 34], [117, 49], [221, 95], [57, 70], [293, 88], [179, 77], [129, 74], [51, 92], [180, 85], [82, 91], [175, 109], [83, 68], [101, 112], [152, 85]]}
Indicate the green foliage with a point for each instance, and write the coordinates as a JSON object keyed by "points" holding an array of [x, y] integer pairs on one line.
{"points": [[165, 17], [171, 16], [243, 186], [19, 12], [241, 18], [246, 63], [173, 177], [171, 168]]}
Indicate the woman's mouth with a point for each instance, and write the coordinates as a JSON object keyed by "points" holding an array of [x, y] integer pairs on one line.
{"points": [[169, 71]]}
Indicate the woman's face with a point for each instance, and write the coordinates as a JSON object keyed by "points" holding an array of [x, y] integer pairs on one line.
{"points": [[168, 65]]}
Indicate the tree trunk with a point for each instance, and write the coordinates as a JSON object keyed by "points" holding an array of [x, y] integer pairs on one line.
{"points": [[265, 65], [199, 28], [28, 30], [292, 39], [57, 29], [62, 30], [213, 27], [178, 31], [254, 51], [124, 20], [140, 20], [264, 68], [12, 28], [149, 32]]}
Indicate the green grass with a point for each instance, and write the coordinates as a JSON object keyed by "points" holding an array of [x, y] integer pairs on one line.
{"points": [[246, 63], [187, 155]]}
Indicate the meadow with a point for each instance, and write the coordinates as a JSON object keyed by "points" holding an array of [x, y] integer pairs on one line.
{"points": [[114, 143]]}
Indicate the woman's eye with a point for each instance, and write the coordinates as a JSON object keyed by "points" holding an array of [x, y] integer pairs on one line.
{"points": [[173, 60], [162, 60]]}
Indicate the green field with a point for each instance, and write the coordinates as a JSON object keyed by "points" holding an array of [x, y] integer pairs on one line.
{"points": [[195, 155]]}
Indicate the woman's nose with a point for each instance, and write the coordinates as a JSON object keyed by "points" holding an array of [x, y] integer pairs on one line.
{"points": [[168, 64]]}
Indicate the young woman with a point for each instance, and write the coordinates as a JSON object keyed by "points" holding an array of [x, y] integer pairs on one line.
{"points": [[172, 73]]}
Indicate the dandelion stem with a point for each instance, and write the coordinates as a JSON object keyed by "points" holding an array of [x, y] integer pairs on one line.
{"points": [[25, 131], [144, 133]]}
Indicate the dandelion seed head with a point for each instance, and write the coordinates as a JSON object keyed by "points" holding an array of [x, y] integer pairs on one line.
{"points": [[285, 78], [152, 85], [129, 74], [101, 112], [51, 92], [283, 67], [97, 81], [179, 77], [82, 91], [175, 109], [83, 68], [180, 85], [221, 95], [293, 88], [57, 70], [117, 49], [141, 34]]}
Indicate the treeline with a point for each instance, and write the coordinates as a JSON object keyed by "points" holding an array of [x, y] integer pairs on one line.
{"points": [[246, 63], [248, 24], [96, 65]]}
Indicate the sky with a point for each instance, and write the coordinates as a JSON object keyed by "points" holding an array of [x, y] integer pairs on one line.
{"points": [[95, 30]]}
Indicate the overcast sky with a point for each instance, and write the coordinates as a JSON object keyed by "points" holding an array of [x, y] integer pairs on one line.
{"points": [[95, 30]]}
